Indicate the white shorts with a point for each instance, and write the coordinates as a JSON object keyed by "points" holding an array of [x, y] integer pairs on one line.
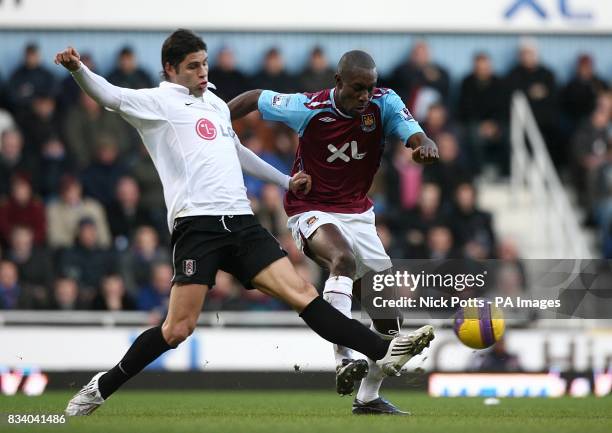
{"points": [[358, 229]]}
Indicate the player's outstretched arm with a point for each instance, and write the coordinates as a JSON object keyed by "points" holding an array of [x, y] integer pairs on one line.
{"points": [[103, 92], [255, 166], [244, 103], [424, 150]]}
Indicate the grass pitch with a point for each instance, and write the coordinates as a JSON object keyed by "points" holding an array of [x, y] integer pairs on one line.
{"points": [[312, 412]]}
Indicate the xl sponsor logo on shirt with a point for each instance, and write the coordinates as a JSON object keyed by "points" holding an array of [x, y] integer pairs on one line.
{"points": [[339, 153]]}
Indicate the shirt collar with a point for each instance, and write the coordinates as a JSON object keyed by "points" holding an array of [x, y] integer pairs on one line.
{"points": [[182, 89], [333, 102]]}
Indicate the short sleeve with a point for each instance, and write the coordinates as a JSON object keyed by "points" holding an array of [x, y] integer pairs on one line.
{"points": [[397, 120], [286, 108]]}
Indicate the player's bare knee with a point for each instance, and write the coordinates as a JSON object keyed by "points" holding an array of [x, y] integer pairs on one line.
{"points": [[176, 333], [343, 264]]}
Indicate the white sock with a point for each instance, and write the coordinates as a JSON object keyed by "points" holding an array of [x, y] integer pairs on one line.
{"points": [[338, 291], [370, 385]]}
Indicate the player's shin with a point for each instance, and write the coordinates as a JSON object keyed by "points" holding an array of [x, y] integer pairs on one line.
{"points": [[338, 291], [146, 348], [333, 326]]}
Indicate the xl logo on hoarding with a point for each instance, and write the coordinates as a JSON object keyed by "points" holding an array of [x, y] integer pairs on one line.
{"points": [[562, 6]]}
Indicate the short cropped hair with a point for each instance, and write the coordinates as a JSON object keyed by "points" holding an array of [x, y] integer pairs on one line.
{"points": [[177, 46], [355, 59]]}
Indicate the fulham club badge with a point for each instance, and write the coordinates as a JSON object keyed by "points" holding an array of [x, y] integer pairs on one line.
{"points": [[189, 267], [368, 122]]}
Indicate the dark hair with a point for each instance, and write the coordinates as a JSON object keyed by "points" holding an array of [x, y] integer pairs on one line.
{"points": [[177, 46]]}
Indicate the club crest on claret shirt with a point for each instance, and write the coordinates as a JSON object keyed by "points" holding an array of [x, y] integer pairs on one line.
{"points": [[189, 267], [368, 122]]}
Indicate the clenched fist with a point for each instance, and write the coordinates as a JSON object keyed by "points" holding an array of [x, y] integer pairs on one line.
{"points": [[69, 59]]}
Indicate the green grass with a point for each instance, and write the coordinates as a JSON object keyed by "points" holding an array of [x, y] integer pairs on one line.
{"points": [[312, 412]]}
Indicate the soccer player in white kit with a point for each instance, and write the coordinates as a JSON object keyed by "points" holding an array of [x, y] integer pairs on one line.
{"points": [[188, 133]]}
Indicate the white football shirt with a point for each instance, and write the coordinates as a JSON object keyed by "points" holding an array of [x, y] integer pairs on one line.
{"points": [[193, 147]]}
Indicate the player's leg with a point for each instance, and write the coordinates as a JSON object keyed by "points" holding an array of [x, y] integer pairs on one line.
{"points": [[195, 260], [185, 304], [368, 399], [385, 322], [184, 308], [279, 279], [329, 248]]}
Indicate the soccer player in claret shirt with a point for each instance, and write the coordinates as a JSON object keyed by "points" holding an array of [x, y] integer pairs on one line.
{"points": [[342, 134], [188, 133]]}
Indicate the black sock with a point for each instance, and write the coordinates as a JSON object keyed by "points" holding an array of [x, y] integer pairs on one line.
{"points": [[335, 327], [146, 348]]}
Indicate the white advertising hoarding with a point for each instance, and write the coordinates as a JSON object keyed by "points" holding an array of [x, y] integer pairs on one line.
{"points": [[273, 349], [506, 16]]}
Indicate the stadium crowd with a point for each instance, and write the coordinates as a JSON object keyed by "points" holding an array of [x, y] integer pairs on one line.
{"points": [[82, 215]]}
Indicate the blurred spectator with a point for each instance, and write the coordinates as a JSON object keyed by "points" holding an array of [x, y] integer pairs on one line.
{"points": [[272, 75], [64, 214], [437, 121], [66, 295], [230, 81], [498, 359], [86, 122], [11, 296], [483, 109], [440, 243], [156, 294], [100, 178], [415, 224], [271, 213], [472, 227], [510, 273], [13, 159], [29, 79], [54, 163], [87, 261], [70, 92], [112, 295], [34, 266], [152, 194], [40, 123], [285, 146], [6, 120], [403, 177], [392, 243], [538, 84], [226, 294], [127, 73], [255, 144], [591, 151], [450, 170], [580, 93], [318, 74], [137, 263], [34, 262], [126, 213], [22, 208], [419, 74]]}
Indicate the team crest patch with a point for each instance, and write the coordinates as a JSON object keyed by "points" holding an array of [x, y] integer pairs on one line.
{"points": [[310, 221], [368, 122], [189, 267]]}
